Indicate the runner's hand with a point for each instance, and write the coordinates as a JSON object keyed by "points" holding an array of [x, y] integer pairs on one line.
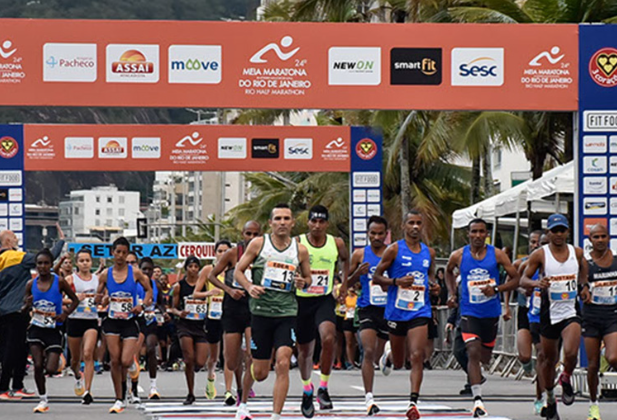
{"points": [[299, 280], [184, 314], [236, 294], [543, 283], [363, 268], [434, 289], [256, 291], [488, 291], [585, 295], [166, 317], [449, 327], [405, 282], [507, 315], [137, 310], [215, 292], [452, 302], [342, 295], [61, 318]]}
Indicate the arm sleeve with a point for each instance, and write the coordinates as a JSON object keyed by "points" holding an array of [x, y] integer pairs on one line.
{"points": [[57, 248]]}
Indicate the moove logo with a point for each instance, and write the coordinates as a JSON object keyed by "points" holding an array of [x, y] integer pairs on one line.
{"points": [[477, 66], [146, 148], [195, 64]]}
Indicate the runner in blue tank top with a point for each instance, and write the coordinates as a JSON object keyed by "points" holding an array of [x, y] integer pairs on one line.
{"points": [[371, 304], [478, 265], [411, 269], [120, 327], [45, 338]]}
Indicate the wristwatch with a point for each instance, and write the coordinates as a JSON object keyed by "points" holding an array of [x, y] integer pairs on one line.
{"points": [[496, 289]]}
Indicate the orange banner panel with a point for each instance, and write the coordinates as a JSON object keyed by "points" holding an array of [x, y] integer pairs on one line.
{"points": [[288, 65]]}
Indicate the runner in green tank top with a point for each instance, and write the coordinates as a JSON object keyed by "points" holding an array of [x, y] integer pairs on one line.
{"points": [[280, 265], [316, 307]]}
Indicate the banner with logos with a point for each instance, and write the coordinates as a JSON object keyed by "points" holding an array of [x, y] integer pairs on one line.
{"points": [[288, 65], [597, 145], [186, 148], [12, 181]]}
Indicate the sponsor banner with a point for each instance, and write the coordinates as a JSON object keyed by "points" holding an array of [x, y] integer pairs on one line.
{"points": [[190, 147], [280, 65], [597, 144], [202, 250], [103, 250], [12, 180]]}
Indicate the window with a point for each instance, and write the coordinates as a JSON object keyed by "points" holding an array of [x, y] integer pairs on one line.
{"points": [[121, 198], [120, 211], [76, 210], [97, 222], [109, 211], [497, 158], [110, 199], [109, 223], [98, 199], [97, 212]]}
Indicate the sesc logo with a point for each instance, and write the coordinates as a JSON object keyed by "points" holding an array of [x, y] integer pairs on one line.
{"points": [[477, 66], [354, 66], [132, 63], [195, 64], [69, 62], [146, 148], [299, 149]]}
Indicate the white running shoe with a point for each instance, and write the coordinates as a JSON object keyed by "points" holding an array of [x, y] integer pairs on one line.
{"points": [[385, 365], [79, 387], [117, 408], [243, 413], [42, 407]]}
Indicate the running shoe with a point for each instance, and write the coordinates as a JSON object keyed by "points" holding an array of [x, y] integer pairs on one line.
{"points": [[9, 396], [478, 409], [594, 412], [337, 366], [229, 398], [134, 398], [23, 393], [79, 387], [252, 393], [210, 389], [323, 398], [537, 407], [154, 394], [385, 365], [567, 394], [243, 413], [412, 411], [134, 369], [87, 398], [371, 408], [190, 399], [117, 408], [307, 408], [42, 407], [551, 411]]}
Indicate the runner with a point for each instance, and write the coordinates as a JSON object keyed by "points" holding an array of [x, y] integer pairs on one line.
{"points": [[167, 330], [563, 266], [316, 307], [349, 329], [214, 329], [600, 314], [83, 324], [275, 260], [191, 324], [44, 295], [410, 265], [236, 315], [134, 369], [371, 304], [478, 264], [120, 328]]}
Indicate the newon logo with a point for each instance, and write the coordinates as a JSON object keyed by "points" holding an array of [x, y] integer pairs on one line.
{"points": [[415, 66], [146, 148], [265, 148], [196, 64], [477, 66], [299, 149], [132, 63], [354, 66], [69, 62], [232, 148]]}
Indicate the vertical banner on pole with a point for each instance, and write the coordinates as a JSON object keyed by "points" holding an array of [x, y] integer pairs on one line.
{"points": [[597, 143], [12, 180], [365, 182]]}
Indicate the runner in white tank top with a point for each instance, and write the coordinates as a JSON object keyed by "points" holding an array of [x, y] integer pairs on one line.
{"points": [[564, 271]]}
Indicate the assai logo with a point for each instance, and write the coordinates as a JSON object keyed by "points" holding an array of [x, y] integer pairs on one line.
{"points": [[146, 147], [265, 148], [133, 63], [603, 67], [8, 147], [415, 66], [354, 66], [299, 149], [232, 148], [198, 64], [366, 149], [112, 147], [79, 147], [477, 66], [69, 62]]}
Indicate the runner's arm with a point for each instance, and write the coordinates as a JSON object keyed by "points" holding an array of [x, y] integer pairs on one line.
{"points": [[386, 261], [227, 261], [533, 264], [250, 254], [453, 262], [434, 287], [27, 297], [305, 267], [147, 285], [583, 280], [102, 286], [343, 255], [66, 288], [356, 268], [513, 278]]}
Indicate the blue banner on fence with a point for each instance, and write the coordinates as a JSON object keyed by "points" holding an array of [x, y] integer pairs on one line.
{"points": [[12, 181], [103, 250]]}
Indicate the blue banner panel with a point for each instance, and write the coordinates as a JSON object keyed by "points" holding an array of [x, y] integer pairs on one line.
{"points": [[154, 251], [12, 180]]}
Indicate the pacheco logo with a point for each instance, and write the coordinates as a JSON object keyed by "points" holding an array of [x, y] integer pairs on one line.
{"points": [[603, 67], [366, 149], [132, 61], [8, 147]]}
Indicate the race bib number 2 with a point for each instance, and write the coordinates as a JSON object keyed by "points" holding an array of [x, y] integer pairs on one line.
{"points": [[604, 292], [279, 276], [410, 299]]}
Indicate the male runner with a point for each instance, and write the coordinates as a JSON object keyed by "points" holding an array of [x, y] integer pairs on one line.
{"points": [[276, 259], [564, 268], [316, 307], [236, 314], [478, 264], [411, 268], [120, 327], [134, 370], [600, 315], [371, 304]]}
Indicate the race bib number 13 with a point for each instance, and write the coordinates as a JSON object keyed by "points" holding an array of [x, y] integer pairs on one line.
{"points": [[279, 276]]}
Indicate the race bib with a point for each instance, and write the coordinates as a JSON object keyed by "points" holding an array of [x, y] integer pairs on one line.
{"points": [[320, 279], [377, 296], [536, 301], [87, 306], [150, 317], [410, 299], [120, 307], [562, 288], [215, 310], [350, 313], [475, 290], [341, 309], [196, 309], [249, 276], [43, 319], [604, 292], [279, 276], [160, 319]]}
